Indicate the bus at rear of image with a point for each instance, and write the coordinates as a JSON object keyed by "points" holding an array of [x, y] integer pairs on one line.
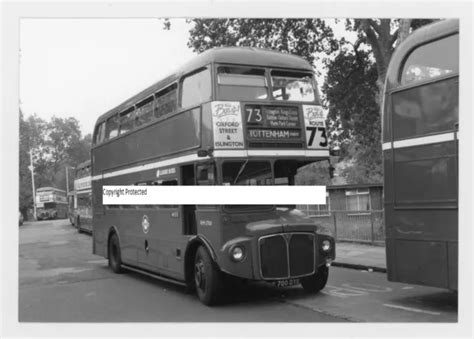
{"points": [[231, 116], [420, 149], [51, 203], [81, 215]]}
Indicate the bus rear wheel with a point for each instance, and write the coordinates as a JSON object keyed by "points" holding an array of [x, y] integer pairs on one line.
{"points": [[207, 278], [115, 259], [316, 282]]}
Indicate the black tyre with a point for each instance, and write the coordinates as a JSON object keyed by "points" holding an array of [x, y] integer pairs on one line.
{"points": [[207, 278], [316, 282], [115, 260]]}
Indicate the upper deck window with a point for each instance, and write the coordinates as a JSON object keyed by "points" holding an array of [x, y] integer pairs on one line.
{"points": [[99, 133], [127, 120], [432, 60], [166, 101], [293, 86], [241, 83], [144, 112], [196, 88], [112, 127]]}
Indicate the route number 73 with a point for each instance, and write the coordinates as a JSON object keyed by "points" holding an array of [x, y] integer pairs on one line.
{"points": [[254, 115], [320, 132]]}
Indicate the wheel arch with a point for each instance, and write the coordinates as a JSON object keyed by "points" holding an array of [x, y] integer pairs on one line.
{"points": [[190, 252], [112, 230]]}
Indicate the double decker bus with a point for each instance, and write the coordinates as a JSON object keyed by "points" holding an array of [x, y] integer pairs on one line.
{"points": [[80, 213], [231, 116], [420, 149], [51, 203]]}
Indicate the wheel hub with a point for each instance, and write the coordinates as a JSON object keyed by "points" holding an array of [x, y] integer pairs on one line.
{"points": [[199, 274]]}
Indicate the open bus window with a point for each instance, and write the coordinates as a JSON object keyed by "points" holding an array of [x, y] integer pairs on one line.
{"points": [[293, 86], [432, 60], [166, 101], [99, 133], [112, 127], [241, 83], [144, 112], [127, 120]]}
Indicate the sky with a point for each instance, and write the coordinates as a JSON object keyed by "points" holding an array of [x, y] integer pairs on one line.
{"points": [[84, 67]]}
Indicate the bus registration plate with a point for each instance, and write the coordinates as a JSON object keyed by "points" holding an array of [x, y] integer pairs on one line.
{"points": [[286, 282]]}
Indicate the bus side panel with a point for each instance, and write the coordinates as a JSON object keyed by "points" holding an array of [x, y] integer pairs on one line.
{"points": [[422, 262], [421, 246], [165, 240], [453, 265], [178, 133], [99, 230]]}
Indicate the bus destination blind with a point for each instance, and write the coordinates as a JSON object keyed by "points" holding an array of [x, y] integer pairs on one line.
{"points": [[272, 122]]}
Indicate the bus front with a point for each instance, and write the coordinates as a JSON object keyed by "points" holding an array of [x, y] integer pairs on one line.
{"points": [[266, 123], [45, 204]]}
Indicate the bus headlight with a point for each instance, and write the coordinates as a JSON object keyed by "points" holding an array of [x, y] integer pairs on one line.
{"points": [[237, 253], [326, 245]]}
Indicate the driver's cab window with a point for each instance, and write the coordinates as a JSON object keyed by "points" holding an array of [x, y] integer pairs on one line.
{"points": [[205, 174], [285, 171], [247, 173]]}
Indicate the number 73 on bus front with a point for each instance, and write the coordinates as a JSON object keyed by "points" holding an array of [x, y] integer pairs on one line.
{"points": [[315, 126]]}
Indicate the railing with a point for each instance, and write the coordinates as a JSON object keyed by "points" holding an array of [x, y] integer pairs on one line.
{"points": [[355, 226]]}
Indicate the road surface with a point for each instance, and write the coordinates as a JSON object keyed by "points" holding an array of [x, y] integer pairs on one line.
{"points": [[60, 280]]}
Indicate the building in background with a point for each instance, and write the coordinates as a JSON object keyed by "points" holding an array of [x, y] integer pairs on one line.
{"points": [[352, 212]]}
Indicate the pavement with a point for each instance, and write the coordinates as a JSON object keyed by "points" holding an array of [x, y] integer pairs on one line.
{"points": [[360, 256]]}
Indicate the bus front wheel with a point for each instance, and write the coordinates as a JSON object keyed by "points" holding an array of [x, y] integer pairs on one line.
{"points": [[207, 278], [316, 282], [115, 259]]}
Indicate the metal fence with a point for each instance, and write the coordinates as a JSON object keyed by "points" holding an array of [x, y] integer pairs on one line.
{"points": [[356, 226]]}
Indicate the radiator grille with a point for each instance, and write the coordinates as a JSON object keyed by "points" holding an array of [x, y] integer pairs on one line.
{"points": [[274, 257], [287, 255]]}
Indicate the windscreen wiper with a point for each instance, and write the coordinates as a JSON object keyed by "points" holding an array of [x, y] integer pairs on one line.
{"points": [[240, 171]]}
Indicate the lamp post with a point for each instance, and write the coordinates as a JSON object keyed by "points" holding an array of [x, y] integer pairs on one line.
{"points": [[67, 178], [32, 170]]}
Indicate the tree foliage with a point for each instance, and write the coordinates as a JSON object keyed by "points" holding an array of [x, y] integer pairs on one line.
{"points": [[353, 90], [353, 114], [303, 37], [54, 145]]}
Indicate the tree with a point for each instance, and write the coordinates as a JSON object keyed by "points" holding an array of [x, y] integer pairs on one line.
{"points": [[55, 145], [303, 37], [353, 90]]}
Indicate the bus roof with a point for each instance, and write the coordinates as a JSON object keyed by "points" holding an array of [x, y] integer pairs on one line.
{"points": [[43, 189], [420, 36], [230, 55]]}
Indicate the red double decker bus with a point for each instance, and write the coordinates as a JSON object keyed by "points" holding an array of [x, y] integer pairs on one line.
{"points": [[231, 116], [420, 148]]}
